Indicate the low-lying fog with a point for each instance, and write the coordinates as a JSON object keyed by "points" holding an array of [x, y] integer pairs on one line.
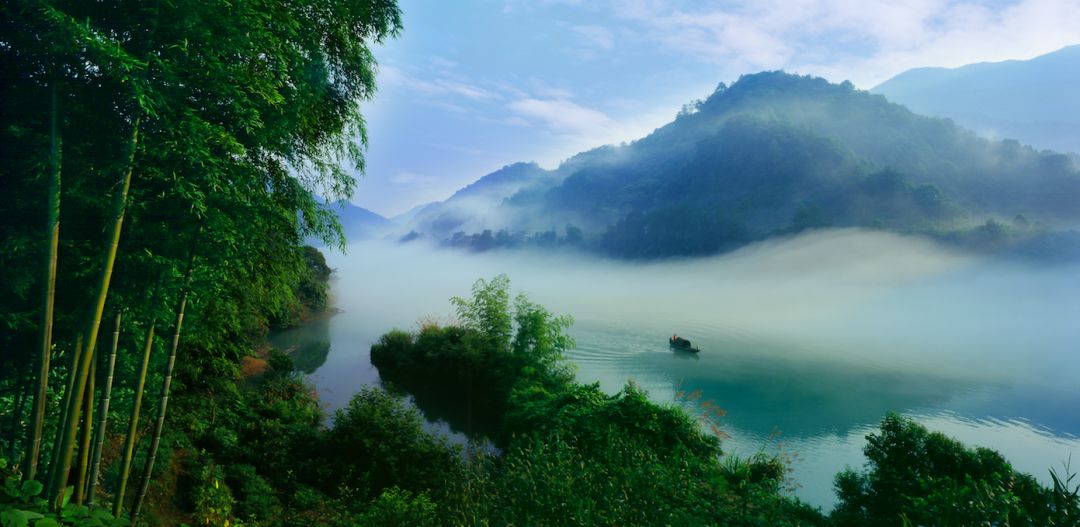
{"points": [[817, 336], [850, 294]]}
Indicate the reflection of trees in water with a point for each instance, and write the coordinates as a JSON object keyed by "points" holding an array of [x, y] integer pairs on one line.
{"points": [[457, 407], [311, 356], [308, 345]]}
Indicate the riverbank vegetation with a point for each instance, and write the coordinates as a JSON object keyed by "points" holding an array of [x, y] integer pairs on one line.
{"points": [[160, 167], [571, 454]]}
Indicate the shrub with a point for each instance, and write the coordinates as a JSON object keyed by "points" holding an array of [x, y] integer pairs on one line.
{"points": [[378, 442], [926, 478], [400, 508]]}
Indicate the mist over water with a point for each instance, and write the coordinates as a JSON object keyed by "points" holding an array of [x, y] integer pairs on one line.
{"points": [[816, 336]]}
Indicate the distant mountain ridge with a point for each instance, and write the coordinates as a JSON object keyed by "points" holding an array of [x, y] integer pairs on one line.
{"points": [[1035, 101], [359, 223], [772, 154], [472, 206]]}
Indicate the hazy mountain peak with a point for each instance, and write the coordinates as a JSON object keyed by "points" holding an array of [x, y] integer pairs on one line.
{"points": [[772, 154], [1036, 101], [502, 182], [358, 222]]}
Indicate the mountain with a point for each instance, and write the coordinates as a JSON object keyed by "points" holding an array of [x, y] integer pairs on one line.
{"points": [[358, 222], [407, 216], [771, 155], [1035, 101], [476, 205]]}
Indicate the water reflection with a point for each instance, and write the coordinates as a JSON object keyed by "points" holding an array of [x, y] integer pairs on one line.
{"points": [[817, 337], [816, 411], [463, 414], [308, 345]]}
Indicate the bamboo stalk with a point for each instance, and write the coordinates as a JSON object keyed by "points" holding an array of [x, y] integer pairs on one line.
{"points": [[37, 417], [54, 459], [84, 443], [160, 424], [75, 401], [103, 412], [133, 426]]}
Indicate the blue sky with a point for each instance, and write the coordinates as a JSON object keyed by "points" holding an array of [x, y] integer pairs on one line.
{"points": [[473, 85]]}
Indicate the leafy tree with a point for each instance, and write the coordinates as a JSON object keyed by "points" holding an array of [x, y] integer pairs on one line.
{"points": [[488, 311], [918, 477]]}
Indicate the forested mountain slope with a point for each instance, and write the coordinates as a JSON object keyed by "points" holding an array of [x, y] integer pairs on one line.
{"points": [[777, 153]]}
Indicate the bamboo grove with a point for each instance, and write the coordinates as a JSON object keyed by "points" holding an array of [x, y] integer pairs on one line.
{"points": [[160, 167]]}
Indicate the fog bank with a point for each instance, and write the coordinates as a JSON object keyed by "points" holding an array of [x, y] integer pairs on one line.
{"points": [[872, 298]]}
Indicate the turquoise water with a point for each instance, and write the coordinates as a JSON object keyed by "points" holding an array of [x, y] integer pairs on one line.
{"points": [[805, 350]]}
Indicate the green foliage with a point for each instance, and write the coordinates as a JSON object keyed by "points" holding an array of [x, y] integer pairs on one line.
{"points": [[621, 481], [400, 508], [570, 453], [212, 499], [924, 478], [475, 366], [488, 311], [310, 292], [256, 499], [224, 124], [586, 412], [22, 505], [280, 363], [376, 443]]}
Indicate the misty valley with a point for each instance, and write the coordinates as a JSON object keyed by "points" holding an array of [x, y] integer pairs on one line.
{"points": [[806, 342], [402, 263]]}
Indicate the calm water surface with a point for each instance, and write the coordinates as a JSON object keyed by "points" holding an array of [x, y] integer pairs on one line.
{"points": [[806, 344]]}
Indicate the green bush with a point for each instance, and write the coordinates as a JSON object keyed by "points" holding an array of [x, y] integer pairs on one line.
{"points": [[378, 442], [212, 499], [919, 477], [256, 500], [400, 508]]}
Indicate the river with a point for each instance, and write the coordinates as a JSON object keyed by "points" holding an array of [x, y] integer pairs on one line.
{"points": [[806, 342]]}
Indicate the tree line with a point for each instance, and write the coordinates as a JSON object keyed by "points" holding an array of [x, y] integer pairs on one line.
{"points": [[160, 168]]}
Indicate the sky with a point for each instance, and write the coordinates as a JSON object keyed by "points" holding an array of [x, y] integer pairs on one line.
{"points": [[474, 85]]}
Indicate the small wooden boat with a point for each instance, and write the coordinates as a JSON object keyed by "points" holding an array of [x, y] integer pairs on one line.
{"points": [[678, 343]]}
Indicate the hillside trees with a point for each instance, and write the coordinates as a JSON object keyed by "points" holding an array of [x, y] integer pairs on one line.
{"points": [[194, 134], [771, 155]]}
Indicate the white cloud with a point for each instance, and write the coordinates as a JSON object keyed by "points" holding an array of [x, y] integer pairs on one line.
{"points": [[562, 115], [442, 85], [575, 128], [866, 41]]}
